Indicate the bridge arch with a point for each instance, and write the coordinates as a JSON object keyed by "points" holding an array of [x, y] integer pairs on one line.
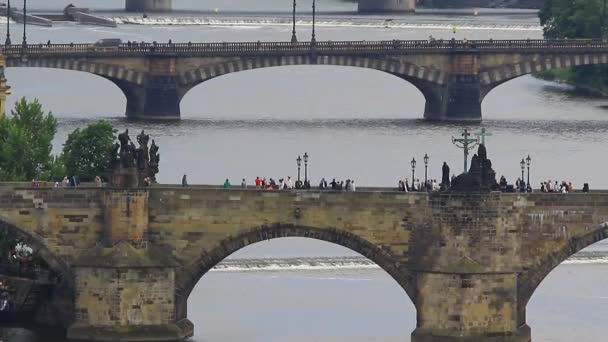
{"points": [[530, 280], [108, 71], [494, 77], [57, 264], [190, 275], [388, 65]]}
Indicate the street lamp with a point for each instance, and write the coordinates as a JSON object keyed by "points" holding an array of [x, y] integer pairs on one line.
{"points": [[426, 166], [528, 162], [8, 24], [413, 163], [299, 161], [522, 163], [306, 170], [24, 23], [294, 39], [313, 40]]}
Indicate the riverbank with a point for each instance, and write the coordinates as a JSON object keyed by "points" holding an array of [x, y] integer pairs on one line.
{"points": [[566, 76]]}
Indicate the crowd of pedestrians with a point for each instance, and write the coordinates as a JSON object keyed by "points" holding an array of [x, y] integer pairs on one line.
{"points": [[429, 185]]}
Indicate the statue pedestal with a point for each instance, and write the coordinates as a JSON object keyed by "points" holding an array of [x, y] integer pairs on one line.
{"points": [[125, 177]]}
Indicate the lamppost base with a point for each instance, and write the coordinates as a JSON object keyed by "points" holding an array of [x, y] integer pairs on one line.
{"points": [[7, 41], [294, 39]]}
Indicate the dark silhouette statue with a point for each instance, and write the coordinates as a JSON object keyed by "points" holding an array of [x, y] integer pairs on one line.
{"points": [[480, 178], [132, 166], [445, 176]]}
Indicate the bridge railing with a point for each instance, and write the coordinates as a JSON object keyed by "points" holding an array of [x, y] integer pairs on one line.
{"points": [[230, 48]]}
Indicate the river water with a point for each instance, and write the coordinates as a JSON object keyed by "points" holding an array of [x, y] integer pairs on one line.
{"points": [[354, 123]]}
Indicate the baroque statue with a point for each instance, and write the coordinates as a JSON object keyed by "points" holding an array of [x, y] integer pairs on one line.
{"points": [[133, 166]]}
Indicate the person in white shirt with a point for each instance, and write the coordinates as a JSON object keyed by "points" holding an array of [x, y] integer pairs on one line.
{"points": [[289, 183]]}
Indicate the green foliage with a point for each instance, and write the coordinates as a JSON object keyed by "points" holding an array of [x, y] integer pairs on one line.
{"points": [[572, 18], [86, 153], [576, 19], [26, 142]]}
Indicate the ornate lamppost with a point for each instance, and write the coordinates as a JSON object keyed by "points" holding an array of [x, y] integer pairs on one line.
{"points": [[522, 163], [528, 162], [294, 39], [426, 167], [8, 24], [24, 44], [299, 162], [413, 163], [306, 170], [313, 40]]}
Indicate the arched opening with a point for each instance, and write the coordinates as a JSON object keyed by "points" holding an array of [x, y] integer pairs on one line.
{"points": [[569, 300], [38, 287], [529, 97], [77, 95], [304, 92], [299, 283]]}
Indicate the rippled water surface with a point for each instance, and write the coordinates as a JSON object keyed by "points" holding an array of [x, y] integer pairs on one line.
{"points": [[354, 123]]}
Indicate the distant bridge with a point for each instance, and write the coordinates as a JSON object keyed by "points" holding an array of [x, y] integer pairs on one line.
{"points": [[364, 5], [454, 76]]}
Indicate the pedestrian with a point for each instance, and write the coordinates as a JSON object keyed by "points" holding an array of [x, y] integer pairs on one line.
{"points": [[352, 185], [227, 184], [66, 181], [98, 181], [258, 182], [586, 187], [185, 181], [243, 184], [289, 183]]}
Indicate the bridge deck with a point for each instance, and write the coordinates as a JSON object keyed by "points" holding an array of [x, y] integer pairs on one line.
{"points": [[324, 47]]}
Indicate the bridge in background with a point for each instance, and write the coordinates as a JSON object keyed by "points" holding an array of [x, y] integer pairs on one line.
{"points": [[129, 259], [364, 5], [454, 76]]}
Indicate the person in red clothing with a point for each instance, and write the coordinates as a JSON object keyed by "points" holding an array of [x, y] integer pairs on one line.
{"points": [[258, 182]]}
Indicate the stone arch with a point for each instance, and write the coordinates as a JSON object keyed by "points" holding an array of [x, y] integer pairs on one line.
{"points": [[190, 275], [108, 71], [388, 65], [492, 78], [58, 265], [529, 280]]}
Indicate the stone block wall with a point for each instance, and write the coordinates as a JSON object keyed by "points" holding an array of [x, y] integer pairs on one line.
{"points": [[124, 297]]}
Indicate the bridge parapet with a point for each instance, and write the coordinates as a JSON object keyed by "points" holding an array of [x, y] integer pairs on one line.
{"points": [[239, 48]]}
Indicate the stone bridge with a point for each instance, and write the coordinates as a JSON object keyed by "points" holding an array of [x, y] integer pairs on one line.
{"points": [[128, 260], [454, 76]]}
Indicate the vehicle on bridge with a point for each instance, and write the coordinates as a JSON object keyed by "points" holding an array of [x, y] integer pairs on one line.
{"points": [[106, 44]]}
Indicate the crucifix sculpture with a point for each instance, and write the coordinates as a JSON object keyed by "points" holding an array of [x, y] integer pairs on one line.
{"points": [[466, 144]]}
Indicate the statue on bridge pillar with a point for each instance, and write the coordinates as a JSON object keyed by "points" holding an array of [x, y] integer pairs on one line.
{"points": [[133, 166], [480, 178], [445, 177]]}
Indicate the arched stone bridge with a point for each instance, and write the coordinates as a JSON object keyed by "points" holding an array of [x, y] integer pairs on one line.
{"points": [[453, 76], [130, 259]]}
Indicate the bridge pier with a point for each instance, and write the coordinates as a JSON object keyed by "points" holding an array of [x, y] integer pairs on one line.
{"points": [[459, 100], [125, 288], [468, 307], [148, 5], [158, 98]]}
